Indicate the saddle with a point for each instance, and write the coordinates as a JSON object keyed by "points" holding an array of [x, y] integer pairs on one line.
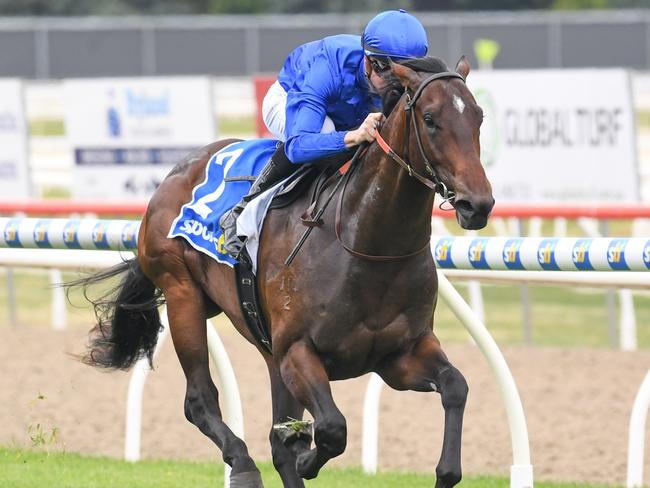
{"points": [[317, 176]]}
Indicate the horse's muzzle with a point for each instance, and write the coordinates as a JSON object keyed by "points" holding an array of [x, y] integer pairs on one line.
{"points": [[473, 213]]}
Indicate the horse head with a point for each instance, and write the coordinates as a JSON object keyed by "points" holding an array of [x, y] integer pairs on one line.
{"points": [[442, 125]]}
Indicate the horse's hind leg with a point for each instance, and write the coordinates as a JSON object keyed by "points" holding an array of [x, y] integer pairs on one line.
{"points": [[187, 319], [305, 377], [283, 450], [426, 368]]}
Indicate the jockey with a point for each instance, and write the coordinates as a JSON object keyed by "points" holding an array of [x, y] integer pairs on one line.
{"points": [[327, 99]]}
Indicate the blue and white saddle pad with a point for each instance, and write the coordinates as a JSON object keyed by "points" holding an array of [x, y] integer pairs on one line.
{"points": [[198, 220]]}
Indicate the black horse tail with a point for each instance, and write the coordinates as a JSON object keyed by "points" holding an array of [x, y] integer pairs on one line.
{"points": [[128, 321]]}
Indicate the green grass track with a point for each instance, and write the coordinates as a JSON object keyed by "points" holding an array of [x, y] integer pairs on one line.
{"points": [[36, 469]]}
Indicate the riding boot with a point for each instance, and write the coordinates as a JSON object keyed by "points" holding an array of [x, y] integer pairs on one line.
{"points": [[278, 168]]}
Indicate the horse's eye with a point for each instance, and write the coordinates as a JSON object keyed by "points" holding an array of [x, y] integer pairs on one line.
{"points": [[428, 121]]}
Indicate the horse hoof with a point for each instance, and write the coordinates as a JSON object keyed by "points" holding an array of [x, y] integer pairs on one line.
{"points": [[305, 465], [249, 479], [294, 430]]}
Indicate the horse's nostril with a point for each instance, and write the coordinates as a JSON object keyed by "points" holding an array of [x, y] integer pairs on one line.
{"points": [[465, 207], [474, 207], [484, 206]]}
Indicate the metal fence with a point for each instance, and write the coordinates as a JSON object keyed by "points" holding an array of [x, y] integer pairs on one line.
{"points": [[243, 45]]}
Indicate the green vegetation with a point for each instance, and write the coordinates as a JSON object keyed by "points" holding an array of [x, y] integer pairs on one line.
{"points": [[228, 126], [581, 4], [561, 316], [643, 119], [236, 126], [33, 469], [33, 293], [46, 128]]}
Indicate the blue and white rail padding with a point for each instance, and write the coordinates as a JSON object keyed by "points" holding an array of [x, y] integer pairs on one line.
{"points": [[542, 254], [90, 234]]}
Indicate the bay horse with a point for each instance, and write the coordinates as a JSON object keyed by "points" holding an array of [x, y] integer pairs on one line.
{"points": [[358, 298]]}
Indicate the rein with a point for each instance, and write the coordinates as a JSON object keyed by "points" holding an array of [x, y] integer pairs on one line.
{"points": [[337, 229], [434, 183]]}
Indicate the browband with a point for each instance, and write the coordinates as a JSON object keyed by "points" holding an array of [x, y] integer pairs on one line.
{"points": [[445, 74]]}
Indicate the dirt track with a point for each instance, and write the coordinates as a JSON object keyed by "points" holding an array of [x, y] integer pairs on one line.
{"points": [[577, 403]]}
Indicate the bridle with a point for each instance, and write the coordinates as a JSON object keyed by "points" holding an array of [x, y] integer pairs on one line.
{"points": [[433, 182]]}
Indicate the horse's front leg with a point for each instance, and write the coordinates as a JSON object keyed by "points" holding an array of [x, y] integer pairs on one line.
{"points": [[305, 377], [285, 446], [187, 321], [426, 368]]}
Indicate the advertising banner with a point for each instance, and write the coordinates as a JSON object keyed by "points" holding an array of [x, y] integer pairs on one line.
{"points": [[558, 135], [14, 169], [127, 133], [261, 85]]}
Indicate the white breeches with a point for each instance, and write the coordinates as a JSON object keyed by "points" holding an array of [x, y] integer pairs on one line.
{"points": [[274, 112]]}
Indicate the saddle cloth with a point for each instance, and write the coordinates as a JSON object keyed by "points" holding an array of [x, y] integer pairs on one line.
{"points": [[198, 220]]}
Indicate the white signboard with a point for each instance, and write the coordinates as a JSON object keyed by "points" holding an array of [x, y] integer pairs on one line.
{"points": [[14, 173], [558, 135], [127, 133]]}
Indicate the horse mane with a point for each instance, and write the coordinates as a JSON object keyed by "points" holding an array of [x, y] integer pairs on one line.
{"points": [[427, 64], [394, 90]]}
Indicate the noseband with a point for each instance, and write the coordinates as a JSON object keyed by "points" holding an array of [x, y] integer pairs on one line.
{"points": [[434, 182]]}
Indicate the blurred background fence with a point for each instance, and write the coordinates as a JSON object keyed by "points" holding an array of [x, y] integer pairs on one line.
{"points": [[42, 48]]}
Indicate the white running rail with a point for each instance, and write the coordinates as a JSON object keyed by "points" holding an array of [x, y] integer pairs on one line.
{"points": [[521, 471], [636, 441], [231, 400]]}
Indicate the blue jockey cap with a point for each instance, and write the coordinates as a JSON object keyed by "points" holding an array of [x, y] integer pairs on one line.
{"points": [[395, 33]]}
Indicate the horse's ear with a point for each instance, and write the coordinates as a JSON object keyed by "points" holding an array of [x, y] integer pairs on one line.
{"points": [[462, 67], [407, 77]]}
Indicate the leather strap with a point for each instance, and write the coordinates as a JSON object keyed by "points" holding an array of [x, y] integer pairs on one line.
{"points": [[436, 76], [337, 229], [434, 185], [389, 151], [249, 303]]}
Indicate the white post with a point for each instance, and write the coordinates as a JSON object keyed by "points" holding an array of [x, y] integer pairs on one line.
{"points": [[370, 427], [232, 410], [636, 441], [231, 405], [475, 293], [589, 226], [59, 312], [11, 296], [521, 472], [132, 434], [500, 226], [517, 229], [474, 287], [476, 299], [559, 227], [627, 321], [627, 316]]}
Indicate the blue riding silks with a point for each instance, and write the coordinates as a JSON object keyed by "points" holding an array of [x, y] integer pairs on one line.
{"points": [[198, 220]]}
